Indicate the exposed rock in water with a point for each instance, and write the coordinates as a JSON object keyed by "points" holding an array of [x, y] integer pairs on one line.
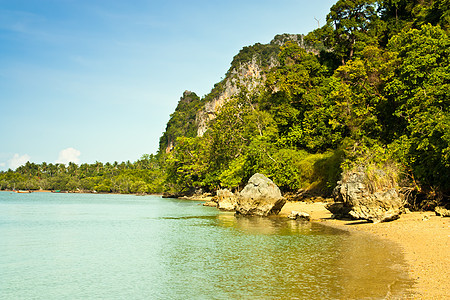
{"points": [[210, 204], [299, 215], [171, 195], [442, 211], [226, 200], [198, 195], [356, 199], [260, 197]]}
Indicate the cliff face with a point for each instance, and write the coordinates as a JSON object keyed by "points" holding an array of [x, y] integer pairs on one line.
{"points": [[246, 74], [249, 76], [281, 39]]}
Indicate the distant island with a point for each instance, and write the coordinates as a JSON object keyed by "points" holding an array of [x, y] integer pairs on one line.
{"points": [[368, 91]]}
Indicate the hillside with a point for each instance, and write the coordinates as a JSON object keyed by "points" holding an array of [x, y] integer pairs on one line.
{"points": [[367, 90], [247, 73]]}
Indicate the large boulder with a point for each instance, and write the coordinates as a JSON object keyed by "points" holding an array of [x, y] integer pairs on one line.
{"points": [[260, 197], [226, 200], [356, 198]]}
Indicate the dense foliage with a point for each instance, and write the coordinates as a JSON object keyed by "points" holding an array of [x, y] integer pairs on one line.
{"points": [[370, 87], [141, 177], [182, 121]]}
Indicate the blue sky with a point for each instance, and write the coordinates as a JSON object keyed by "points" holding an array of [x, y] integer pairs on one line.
{"points": [[96, 80]]}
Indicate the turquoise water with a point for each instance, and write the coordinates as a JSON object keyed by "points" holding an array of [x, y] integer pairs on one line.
{"points": [[87, 246]]}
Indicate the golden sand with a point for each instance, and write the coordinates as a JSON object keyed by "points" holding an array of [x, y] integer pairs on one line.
{"points": [[423, 236]]}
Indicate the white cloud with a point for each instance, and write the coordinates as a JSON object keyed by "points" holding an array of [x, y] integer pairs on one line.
{"points": [[68, 155], [17, 161]]}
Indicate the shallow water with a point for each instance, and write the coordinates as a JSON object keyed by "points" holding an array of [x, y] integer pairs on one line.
{"points": [[78, 246]]}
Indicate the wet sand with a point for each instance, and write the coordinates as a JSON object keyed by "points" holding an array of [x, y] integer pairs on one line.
{"points": [[423, 236]]}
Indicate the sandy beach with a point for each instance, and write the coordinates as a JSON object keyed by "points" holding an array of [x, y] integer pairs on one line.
{"points": [[423, 236]]}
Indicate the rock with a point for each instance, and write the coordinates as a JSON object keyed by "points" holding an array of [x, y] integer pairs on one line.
{"points": [[299, 215], [210, 204], [226, 200], [442, 211], [339, 210], [248, 75], [260, 197], [199, 197], [356, 200], [168, 195]]}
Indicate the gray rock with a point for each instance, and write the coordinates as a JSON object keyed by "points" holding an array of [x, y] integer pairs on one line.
{"points": [[260, 197], [226, 200], [442, 211], [299, 215], [210, 204], [339, 210], [248, 75], [357, 201]]}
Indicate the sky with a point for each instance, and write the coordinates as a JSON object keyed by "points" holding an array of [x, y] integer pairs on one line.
{"points": [[97, 80]]}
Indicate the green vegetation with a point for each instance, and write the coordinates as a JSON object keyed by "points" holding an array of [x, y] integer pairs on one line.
{"points": [[368, 89], [262, 53], [371, 88], [141, 177], [182, 121]]}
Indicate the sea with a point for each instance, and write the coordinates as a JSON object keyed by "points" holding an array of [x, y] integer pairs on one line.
{"points": [[97, 246]]}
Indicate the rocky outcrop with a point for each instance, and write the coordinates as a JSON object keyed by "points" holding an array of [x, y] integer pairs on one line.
{"points": [[299, 39], [442, 211], [356, 199], [260, 197], [299, 215], [226, 200], [248, 75], [210, 203]]}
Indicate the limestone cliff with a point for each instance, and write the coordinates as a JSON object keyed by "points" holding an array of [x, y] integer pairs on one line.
{"points": [[249, 76], [247, 73]]}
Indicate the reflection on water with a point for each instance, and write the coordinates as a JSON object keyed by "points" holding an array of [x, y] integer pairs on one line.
{"points": [[121, 247], [280, 258], [273, 225]]}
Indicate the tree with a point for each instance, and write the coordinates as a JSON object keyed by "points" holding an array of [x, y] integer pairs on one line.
{"points": [[185, 166], [182, 121], [351, 20], [298, 73], [358, 95], [232, 131], [298, 100], [72, 169], [421, 91]]}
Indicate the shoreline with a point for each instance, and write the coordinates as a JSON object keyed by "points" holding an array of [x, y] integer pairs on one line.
{"points": [[422, 236], [80, 192]]}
